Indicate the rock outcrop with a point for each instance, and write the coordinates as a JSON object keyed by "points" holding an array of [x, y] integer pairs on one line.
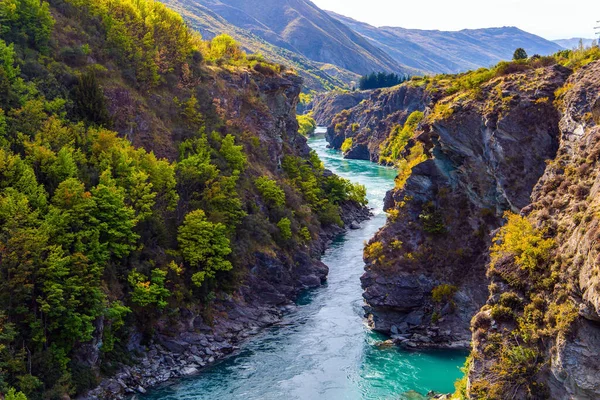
{"points": [[483, 158], [325, 106], [561, 296], [370, 122]]}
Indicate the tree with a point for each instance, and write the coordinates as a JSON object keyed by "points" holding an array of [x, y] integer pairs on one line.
{"points": [[234, 155], [270, 191], [90, 104], [520, 54], [204, 246], [148, 292], [285, 228], [115, 220], [306, 125]]}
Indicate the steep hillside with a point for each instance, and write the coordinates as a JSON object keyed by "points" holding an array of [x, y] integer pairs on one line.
{"points": [[325, 106], [450, 52], [300, 26], [317, 76], [157, 204]]}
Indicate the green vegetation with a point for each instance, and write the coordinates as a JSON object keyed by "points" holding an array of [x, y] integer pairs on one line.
{"points": [[270, 191], [443, 293], [391, 149], [130, 227], [307, 125], [381, 80], [520, 54], [285, 228]]}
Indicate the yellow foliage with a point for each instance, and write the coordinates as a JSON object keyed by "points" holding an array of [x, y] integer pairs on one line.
{"points": [[519, 239], [347, 145]]}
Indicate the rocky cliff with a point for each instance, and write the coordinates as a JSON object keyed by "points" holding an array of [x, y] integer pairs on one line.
{"points": [[182, 344], [325, 106], [428, 277], [492, 231], [368, 124], [545, 343]]}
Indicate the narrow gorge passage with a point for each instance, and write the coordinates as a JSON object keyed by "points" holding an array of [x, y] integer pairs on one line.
{"points": [[323, 350]]}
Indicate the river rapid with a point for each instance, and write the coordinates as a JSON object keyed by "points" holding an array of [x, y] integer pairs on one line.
{"points": [[323, 349]]}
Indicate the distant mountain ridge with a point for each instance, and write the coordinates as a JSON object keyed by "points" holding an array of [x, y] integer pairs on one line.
{"points": [[302, 27], [435, 51], [332, 51], [573, 42]]}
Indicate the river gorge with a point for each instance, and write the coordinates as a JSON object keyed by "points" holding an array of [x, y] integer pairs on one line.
{"points": [[323, 349]]}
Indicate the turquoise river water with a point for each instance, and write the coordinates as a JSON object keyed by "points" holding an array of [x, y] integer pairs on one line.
{"points": [[323, 350]]}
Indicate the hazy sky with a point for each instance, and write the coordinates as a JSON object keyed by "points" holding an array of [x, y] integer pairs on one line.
{"points": [[552, 19]]}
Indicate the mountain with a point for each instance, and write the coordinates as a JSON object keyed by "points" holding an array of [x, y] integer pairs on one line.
{"points": [[317, 76], [300, 26], [573, 42], [435, 51]]}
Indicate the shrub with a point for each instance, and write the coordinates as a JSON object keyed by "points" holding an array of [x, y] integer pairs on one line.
{"points": [[224, 47], [443, 293], [520, 240], [307, 125], [501, 313], [285, 228], [432, 219], [520, 54], [347, 145], [270, 191], [510, 300], [375, 252]]}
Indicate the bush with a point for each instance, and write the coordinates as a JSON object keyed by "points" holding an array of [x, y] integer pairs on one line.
{"points": [[307, 125], [270, 191], [520, 54], [510, 300], [285, 228], [432, 219], [520, 240], [443, 292], [347, 145], [501, 313]]}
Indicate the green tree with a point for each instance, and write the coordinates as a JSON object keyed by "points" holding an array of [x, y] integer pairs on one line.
{"points": [[306, 125], [204, 246], [89, 101], [224, 47], [520, 54], [270, 191], [146, 292], [234, 155], [285, 228], [12, 394], [115, 220]]}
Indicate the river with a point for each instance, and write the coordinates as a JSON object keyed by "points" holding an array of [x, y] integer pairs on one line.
{"points": [[323, 350]]}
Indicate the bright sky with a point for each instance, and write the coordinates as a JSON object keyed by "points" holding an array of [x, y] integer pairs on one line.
{"points": [[552, 19]]}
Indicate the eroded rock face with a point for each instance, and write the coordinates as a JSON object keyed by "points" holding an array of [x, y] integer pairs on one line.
{"points": [[325, 106], [370, 122], [565, 206], [483, 159]]}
